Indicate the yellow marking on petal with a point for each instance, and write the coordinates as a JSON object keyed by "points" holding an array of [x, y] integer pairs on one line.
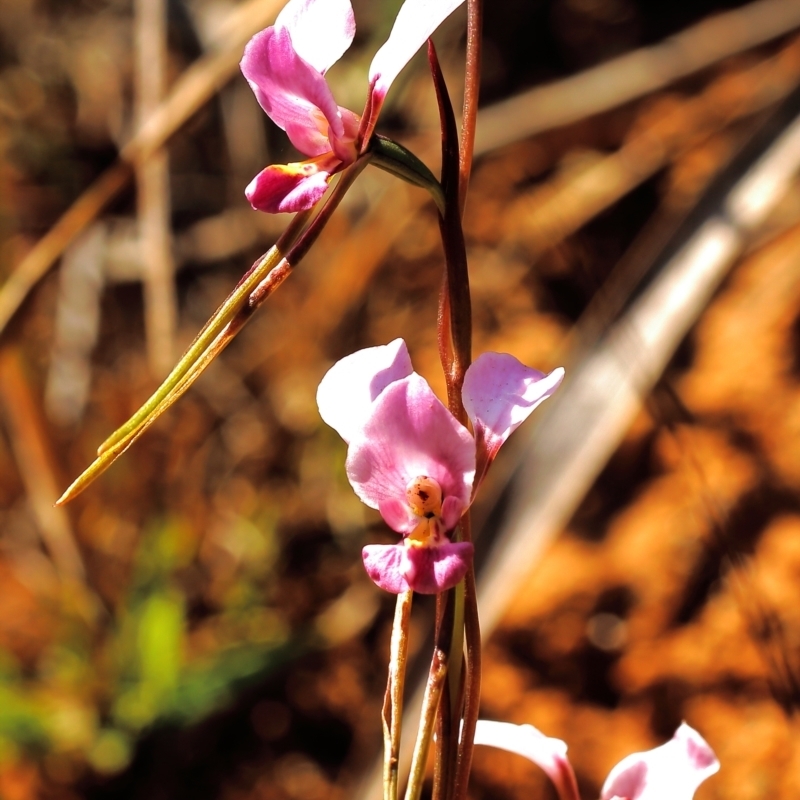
{"points": [[305, 168], [424, 496]]}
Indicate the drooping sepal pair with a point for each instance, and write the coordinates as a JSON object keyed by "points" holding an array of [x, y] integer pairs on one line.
{"points": [[410, 459], [285, 66]]}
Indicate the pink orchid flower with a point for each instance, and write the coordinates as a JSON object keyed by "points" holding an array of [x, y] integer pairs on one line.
{"points": [[672, 771], [412, 460], [285, 66]]}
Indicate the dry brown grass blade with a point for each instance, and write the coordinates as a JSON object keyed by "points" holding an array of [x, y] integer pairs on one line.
{"points": [[635, 74], [193, 89], [30, 444], [549, 213]]}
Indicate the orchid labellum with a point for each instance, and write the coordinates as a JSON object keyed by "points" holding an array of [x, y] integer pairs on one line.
{"points": [[285, 66], [412, 460]]}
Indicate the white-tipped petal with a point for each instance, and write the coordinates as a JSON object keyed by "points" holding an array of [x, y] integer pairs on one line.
{"points": [[672, 771], [352, 385]]}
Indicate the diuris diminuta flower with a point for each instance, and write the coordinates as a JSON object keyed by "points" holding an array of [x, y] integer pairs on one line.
{"points": [[412, 460], [285, 66]]}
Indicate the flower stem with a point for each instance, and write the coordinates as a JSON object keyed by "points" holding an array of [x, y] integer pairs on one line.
{"points": [[472, 679], [455, 346], [430, 703], [393, 701], [472, 84]]}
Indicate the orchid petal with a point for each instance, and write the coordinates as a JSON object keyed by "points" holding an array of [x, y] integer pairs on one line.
{"points": [[525, 740], [416, 21], [427, 570], [398, 516], [409, 433], [291, 91], [452, 509], [290, 187], [499, 394], [344, 146], [351, 385], [672, 771], [384, 564], [430, 570], [321, 30]]}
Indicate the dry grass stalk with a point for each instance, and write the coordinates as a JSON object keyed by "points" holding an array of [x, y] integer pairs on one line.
{"points": [[549, 213], [152, 182], [198, 84], [31, 446], [635, 74]]}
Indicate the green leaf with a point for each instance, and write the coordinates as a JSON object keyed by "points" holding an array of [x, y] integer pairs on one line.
{"points": [[392, 157]]}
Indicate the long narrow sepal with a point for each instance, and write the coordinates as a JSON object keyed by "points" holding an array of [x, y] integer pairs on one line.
{"points": [[113, 449], [251, 291]]}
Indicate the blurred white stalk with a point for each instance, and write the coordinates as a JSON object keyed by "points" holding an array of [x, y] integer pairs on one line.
{"points": [[152, 182]]}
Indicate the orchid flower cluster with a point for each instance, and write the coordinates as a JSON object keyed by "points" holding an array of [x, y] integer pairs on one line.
{"points": [[415, 460], [409, 456]]}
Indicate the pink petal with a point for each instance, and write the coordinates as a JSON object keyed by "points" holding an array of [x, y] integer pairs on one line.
{"points": [[416, 21], [384, 564], [452, 509], [290, 187], [499, 394], [344, 146], [430, 570], [525, 740], [351, 385], [409, 433], [321, 30], [670, 772], [427, 570], [398, 516], [291, 91]]}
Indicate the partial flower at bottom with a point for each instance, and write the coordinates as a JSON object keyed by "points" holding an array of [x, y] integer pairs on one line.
{"points": [[412, 460], [672, 771]]}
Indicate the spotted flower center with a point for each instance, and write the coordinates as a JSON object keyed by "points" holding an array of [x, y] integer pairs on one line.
{"points": [[424, 497]]}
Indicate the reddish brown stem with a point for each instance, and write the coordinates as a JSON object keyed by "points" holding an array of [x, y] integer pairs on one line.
{"points": [[472, 84], [454, 751], [455, 306]]}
